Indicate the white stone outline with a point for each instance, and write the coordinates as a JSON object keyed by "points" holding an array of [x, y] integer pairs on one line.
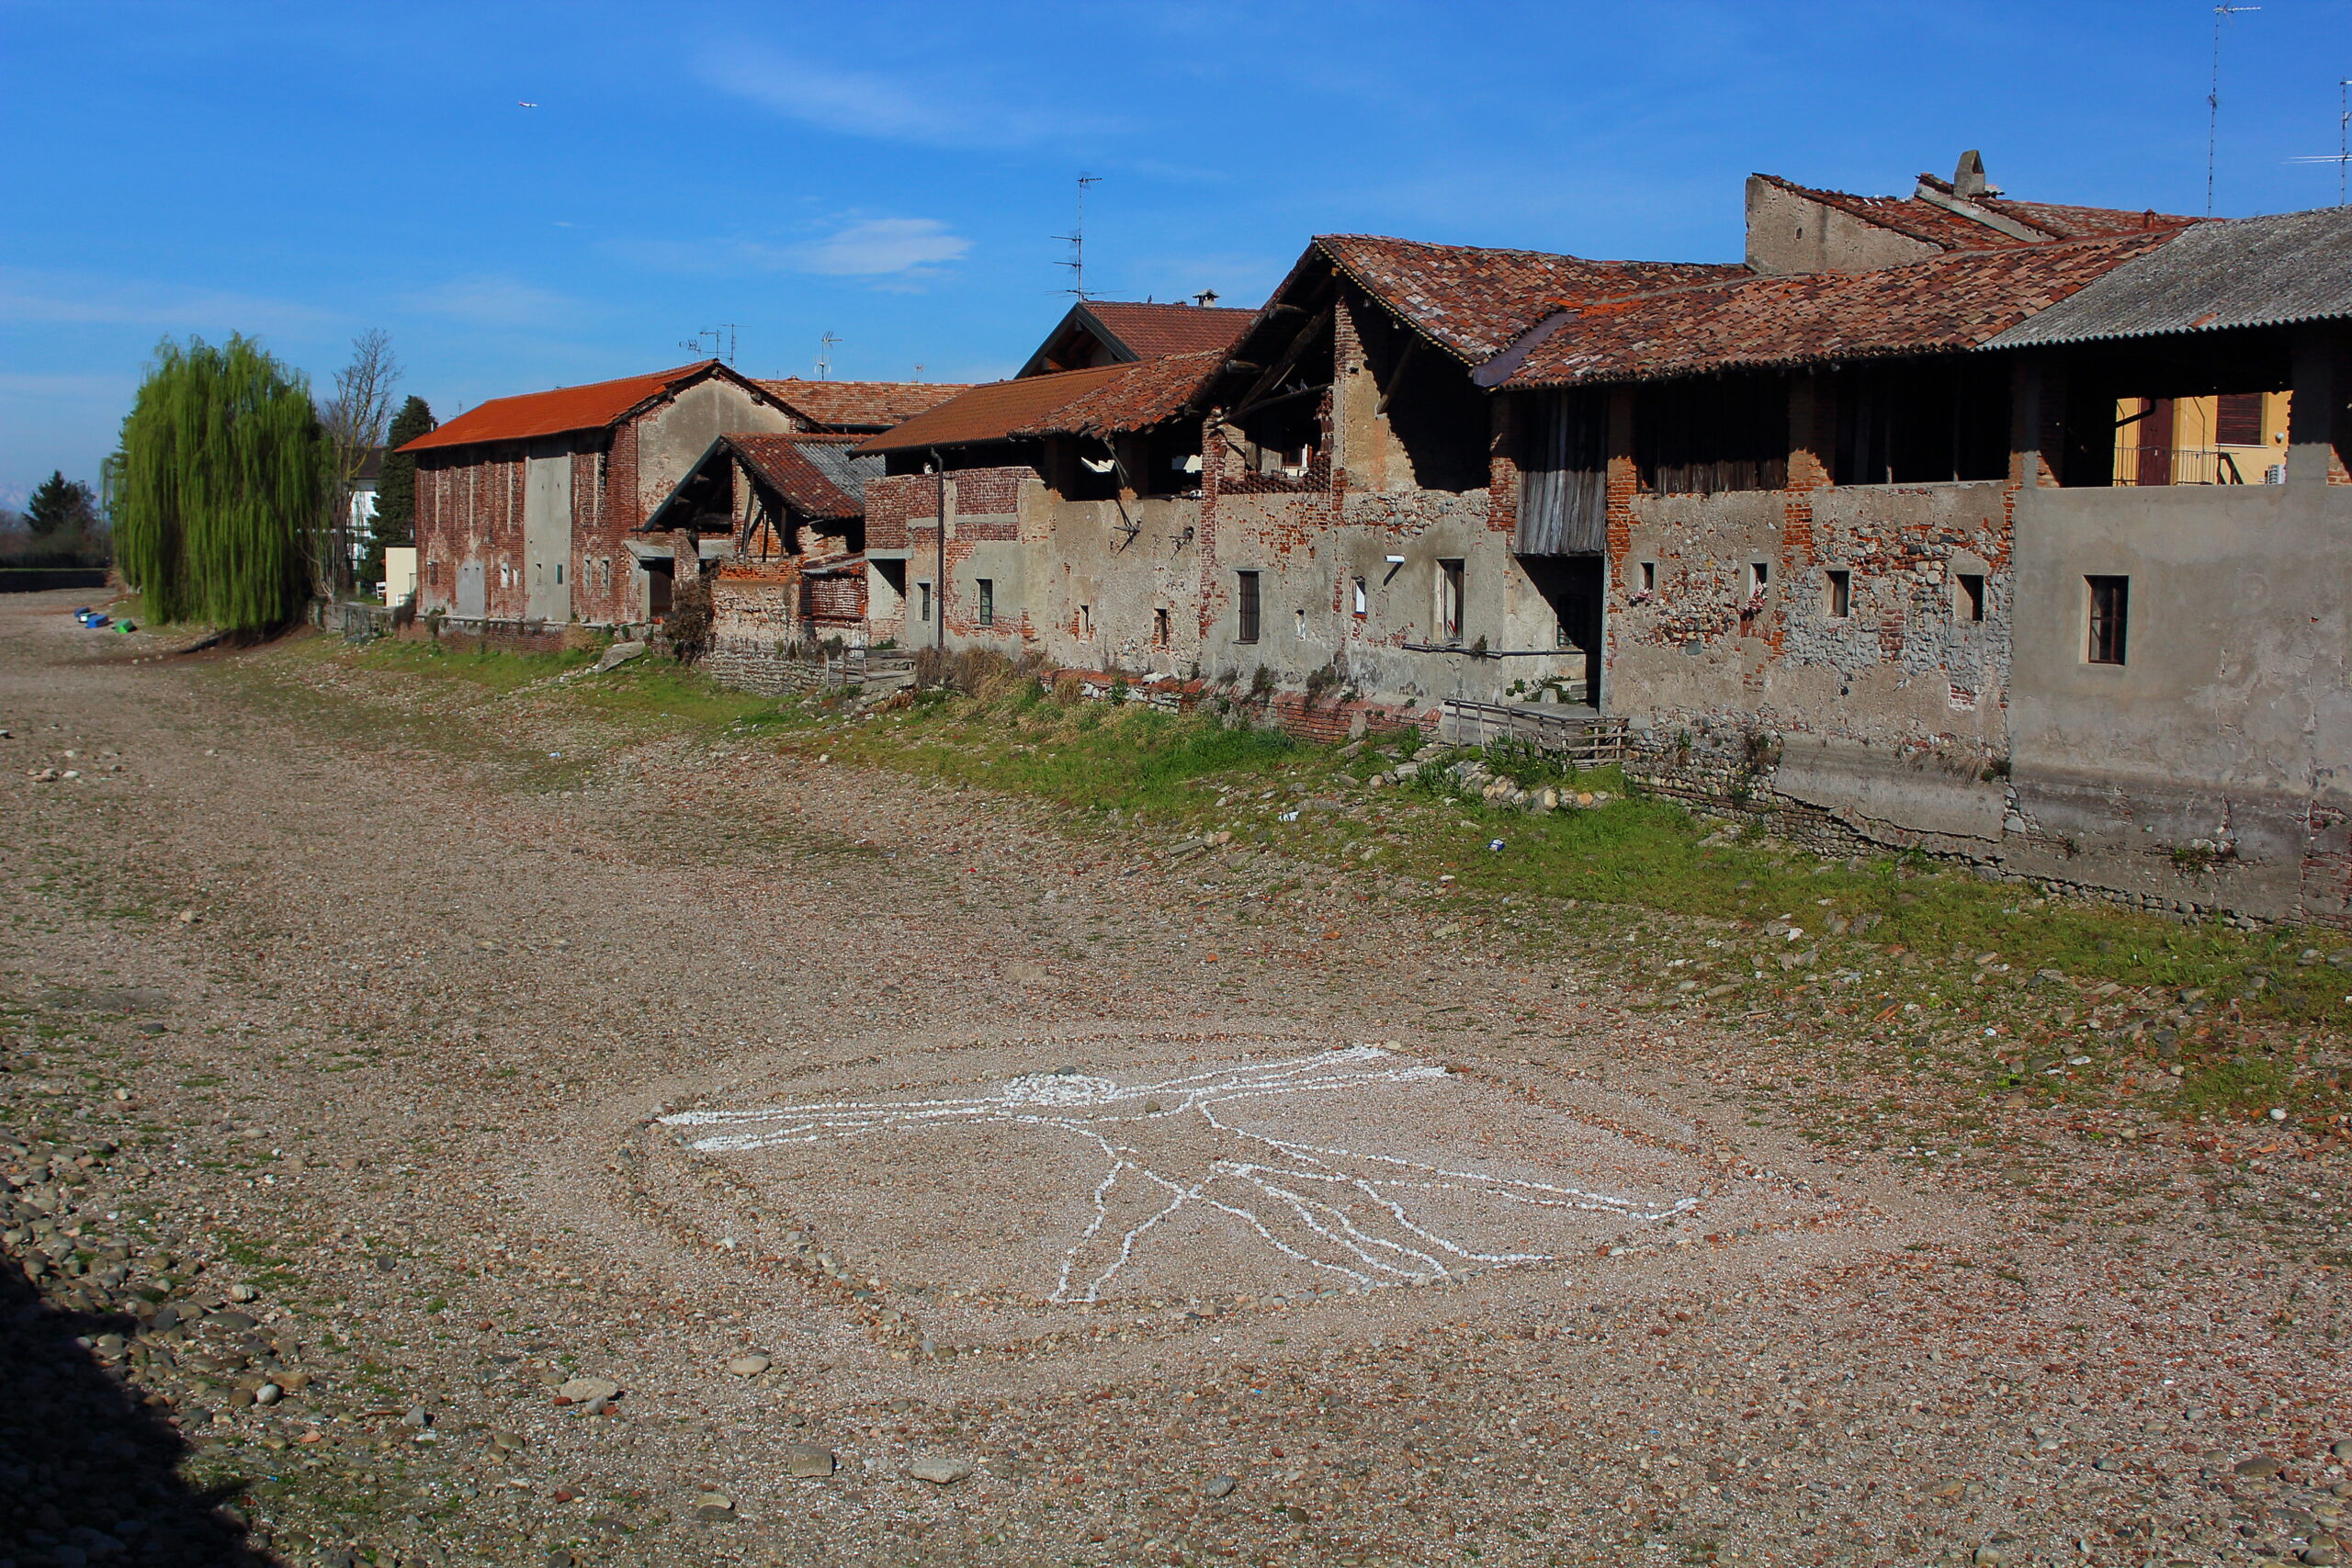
{"points": [[1366, 1260]]}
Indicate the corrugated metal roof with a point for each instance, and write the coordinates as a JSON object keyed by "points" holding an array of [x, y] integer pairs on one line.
{"points": [[561, 411], [2245, 272]]}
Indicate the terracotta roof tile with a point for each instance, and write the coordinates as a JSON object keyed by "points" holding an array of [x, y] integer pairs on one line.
{"points": [[592, 407], [813, 473], [1933, 225], [1000, 411], [1151, 392], [1473, 301], [1155, 330], [861, 405], [1946, 303]]}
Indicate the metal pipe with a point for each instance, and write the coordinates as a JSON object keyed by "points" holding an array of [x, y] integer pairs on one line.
{"points": [[939, 569]]}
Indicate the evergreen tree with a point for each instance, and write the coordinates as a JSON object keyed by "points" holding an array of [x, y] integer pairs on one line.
{"points": [[396, 487], [61, 508], [221, 475]]}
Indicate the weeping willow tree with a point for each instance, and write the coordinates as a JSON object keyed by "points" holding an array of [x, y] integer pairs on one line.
{"points": [[221, 475]]}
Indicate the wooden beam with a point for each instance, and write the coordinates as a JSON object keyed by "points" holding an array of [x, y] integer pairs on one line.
{"points": [[1286, 364]]}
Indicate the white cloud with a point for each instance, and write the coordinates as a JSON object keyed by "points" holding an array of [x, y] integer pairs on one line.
{"points": [[492, 302], [898, 247], [937, 111]]}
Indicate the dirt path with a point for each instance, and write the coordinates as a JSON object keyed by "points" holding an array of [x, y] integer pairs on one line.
{"points": [[607, 1123]]}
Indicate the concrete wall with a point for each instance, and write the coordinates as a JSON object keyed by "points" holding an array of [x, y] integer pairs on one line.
{"points": [[2227, 732]]}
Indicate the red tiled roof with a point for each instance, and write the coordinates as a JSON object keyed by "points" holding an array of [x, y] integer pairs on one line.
{"points": [[2083, 223], [1945, 303], [1153, 391], [1154, 331], [1473, 301], [1929, 224], [862, 405], [998, 411], [592, 407], [783, 461], [1907, 216]]}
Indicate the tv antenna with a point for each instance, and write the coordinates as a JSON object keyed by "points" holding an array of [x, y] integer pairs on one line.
{"points": [[1077, 238], [825, 357], [2341, 156], [721, 334], [2214, 98]]}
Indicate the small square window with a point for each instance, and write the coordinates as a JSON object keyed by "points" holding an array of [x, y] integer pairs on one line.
{"points": [[1841, 594], [2110, 617], [1969, 602], [988, 600]]}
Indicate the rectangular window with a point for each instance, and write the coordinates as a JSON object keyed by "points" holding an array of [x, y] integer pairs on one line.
{"points": [[1968, 605], [2237, 419], [1086, 620], [1649, 576], [1841, 595], [1758, 574], [1160, 627], [1449, 601], [1246, 604], [1363, 599], [559, 572], [2110, 617], [987, 601], [922, 610]]}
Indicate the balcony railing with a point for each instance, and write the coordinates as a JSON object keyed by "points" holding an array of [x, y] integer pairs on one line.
{"points": [[2197, 466]]}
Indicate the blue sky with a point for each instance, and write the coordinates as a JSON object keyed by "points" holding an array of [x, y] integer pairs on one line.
{"points": [[893, 173]]}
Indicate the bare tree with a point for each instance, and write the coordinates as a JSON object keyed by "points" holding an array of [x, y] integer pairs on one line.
{"points": [[355, 419]]}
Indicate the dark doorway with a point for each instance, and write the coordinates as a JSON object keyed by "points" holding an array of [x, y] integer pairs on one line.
{"points": [[659, 579], [2155, 444], [1571, 585]]}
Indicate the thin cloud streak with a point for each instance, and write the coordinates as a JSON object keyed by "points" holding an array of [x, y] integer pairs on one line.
{"points": [[64, 299], [930, 112]]}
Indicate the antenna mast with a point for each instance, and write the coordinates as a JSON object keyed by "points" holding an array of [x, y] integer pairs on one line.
{"points": [[2341, 156], [724, 333], [2214, 98], [1077, 238], [825, 357]]}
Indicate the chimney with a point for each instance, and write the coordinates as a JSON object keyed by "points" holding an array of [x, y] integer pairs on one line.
{"points": [[1968, 181]]}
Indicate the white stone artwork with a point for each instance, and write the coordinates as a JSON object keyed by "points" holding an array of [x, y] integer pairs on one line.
{"points": [[1359, 1221]]}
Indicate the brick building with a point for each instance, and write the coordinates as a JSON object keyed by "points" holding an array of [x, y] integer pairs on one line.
{"points": [[530, 508], [1845, 531]]}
